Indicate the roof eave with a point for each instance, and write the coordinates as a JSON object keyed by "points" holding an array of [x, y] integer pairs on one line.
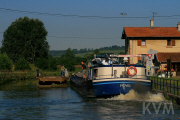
{"points": [[153, 36]]}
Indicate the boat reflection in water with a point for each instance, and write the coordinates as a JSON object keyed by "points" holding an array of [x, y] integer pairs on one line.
{"points": [[107, 76]]}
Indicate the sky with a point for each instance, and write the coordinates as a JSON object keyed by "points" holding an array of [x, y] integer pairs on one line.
{"points": [[93, 24]]}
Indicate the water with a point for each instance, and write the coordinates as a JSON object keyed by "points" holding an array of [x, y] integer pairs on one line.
{"points": [[22, 100]]}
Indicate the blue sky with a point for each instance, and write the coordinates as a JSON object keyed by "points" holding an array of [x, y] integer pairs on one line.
{"points": [[83, 31]]}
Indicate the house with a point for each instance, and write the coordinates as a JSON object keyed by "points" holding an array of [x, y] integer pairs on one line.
{"points": [[139, 40], [161, 59]]}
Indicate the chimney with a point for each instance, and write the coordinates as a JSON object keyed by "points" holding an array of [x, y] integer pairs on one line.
{"points": [[178, 26], [151, 23]]}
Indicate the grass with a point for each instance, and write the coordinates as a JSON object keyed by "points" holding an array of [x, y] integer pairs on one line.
{"points": [[166, 84], [8, 76], [14, 76]]}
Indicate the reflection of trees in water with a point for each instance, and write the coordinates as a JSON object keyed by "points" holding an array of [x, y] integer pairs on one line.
{"points": [[22, 100], [21, 89]]}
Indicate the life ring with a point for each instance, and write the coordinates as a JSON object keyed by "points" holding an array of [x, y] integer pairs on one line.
{"points": [[132, 67]]}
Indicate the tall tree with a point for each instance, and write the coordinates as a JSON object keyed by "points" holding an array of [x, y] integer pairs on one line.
{"points": [[25, 38], [68, 59]]}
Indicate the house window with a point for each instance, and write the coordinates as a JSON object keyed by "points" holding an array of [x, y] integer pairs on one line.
{"points": [[170, 42], [143, 42]]}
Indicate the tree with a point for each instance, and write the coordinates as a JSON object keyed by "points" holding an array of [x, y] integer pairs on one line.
{"points": [[5, 62], [25, 38], [88, 57], [42, 63], [22, 64], [53, 63], [68, 60], [96, 51]]}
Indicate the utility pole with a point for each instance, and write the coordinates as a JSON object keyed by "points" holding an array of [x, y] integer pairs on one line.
{"points": [[154, 13], [123, 14]]}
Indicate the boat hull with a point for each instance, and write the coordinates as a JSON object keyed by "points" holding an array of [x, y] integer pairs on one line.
{"points": [[110, 87], [84, 88]]}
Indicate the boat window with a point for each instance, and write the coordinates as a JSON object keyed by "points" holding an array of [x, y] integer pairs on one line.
{"points": [[121, 60], [95, 73], [115, 61]]}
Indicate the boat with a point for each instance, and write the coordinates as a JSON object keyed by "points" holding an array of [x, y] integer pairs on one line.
{"points": [[110, 75]]}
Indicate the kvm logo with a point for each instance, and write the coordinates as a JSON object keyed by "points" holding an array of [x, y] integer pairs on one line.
{"points": [[165, 107]]}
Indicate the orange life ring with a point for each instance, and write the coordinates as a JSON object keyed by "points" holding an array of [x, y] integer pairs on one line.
{"points": [[132, 67]]}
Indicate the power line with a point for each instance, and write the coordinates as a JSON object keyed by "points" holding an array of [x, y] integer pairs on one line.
{"points": [[82, 16], [67, 15], [83, 37]]}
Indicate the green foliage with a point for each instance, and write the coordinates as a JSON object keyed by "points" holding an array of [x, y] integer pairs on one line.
{"points": [[46, 63], [5, 62], [111, 49], [22, 64], [25, 38], [53, 64], [68, 60], [96, 51], [88, 57], [121, 53], [42, 63]]}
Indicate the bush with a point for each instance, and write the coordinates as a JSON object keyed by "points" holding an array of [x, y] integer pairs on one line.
{"points": [[22, 64], [52, 64], [5, 62], [46, 64], [69, 65], [42, 63]]}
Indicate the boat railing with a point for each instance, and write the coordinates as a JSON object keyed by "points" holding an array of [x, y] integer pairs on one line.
{"points": [[110, 76]]}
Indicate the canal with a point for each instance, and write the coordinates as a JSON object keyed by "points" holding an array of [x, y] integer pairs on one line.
{"points": [[22, 100]]}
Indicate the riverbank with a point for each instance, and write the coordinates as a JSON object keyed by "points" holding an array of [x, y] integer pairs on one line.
{"points": [[169, 96], [9, 76], [6, 77], [169, 87]]}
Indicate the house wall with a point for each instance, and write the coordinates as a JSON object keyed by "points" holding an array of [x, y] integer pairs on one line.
{"points": [[158, 45]]}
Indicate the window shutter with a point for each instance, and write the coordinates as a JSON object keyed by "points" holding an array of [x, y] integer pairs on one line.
{"points": [[173, 42], [138, 42]]}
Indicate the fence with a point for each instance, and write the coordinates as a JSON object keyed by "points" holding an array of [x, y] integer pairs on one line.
{"points": [[166, 84]]}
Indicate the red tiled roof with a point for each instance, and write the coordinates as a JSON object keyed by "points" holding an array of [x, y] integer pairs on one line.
{"points": [[152, 32], [163, 56]]}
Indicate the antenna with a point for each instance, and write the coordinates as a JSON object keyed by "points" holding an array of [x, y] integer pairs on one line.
{"points": [[154, 13]]}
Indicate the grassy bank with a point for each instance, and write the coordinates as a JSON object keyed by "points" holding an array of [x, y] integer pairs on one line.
{"points": [[14, 76], [8, 76]]}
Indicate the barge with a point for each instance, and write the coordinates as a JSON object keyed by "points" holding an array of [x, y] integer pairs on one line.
{"points": [[108, 76]]}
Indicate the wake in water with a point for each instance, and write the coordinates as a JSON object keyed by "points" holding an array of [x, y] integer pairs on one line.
{"points": [[133, 95]]}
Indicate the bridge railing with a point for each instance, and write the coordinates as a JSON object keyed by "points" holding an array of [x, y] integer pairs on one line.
{"points": [[169, 85]]}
